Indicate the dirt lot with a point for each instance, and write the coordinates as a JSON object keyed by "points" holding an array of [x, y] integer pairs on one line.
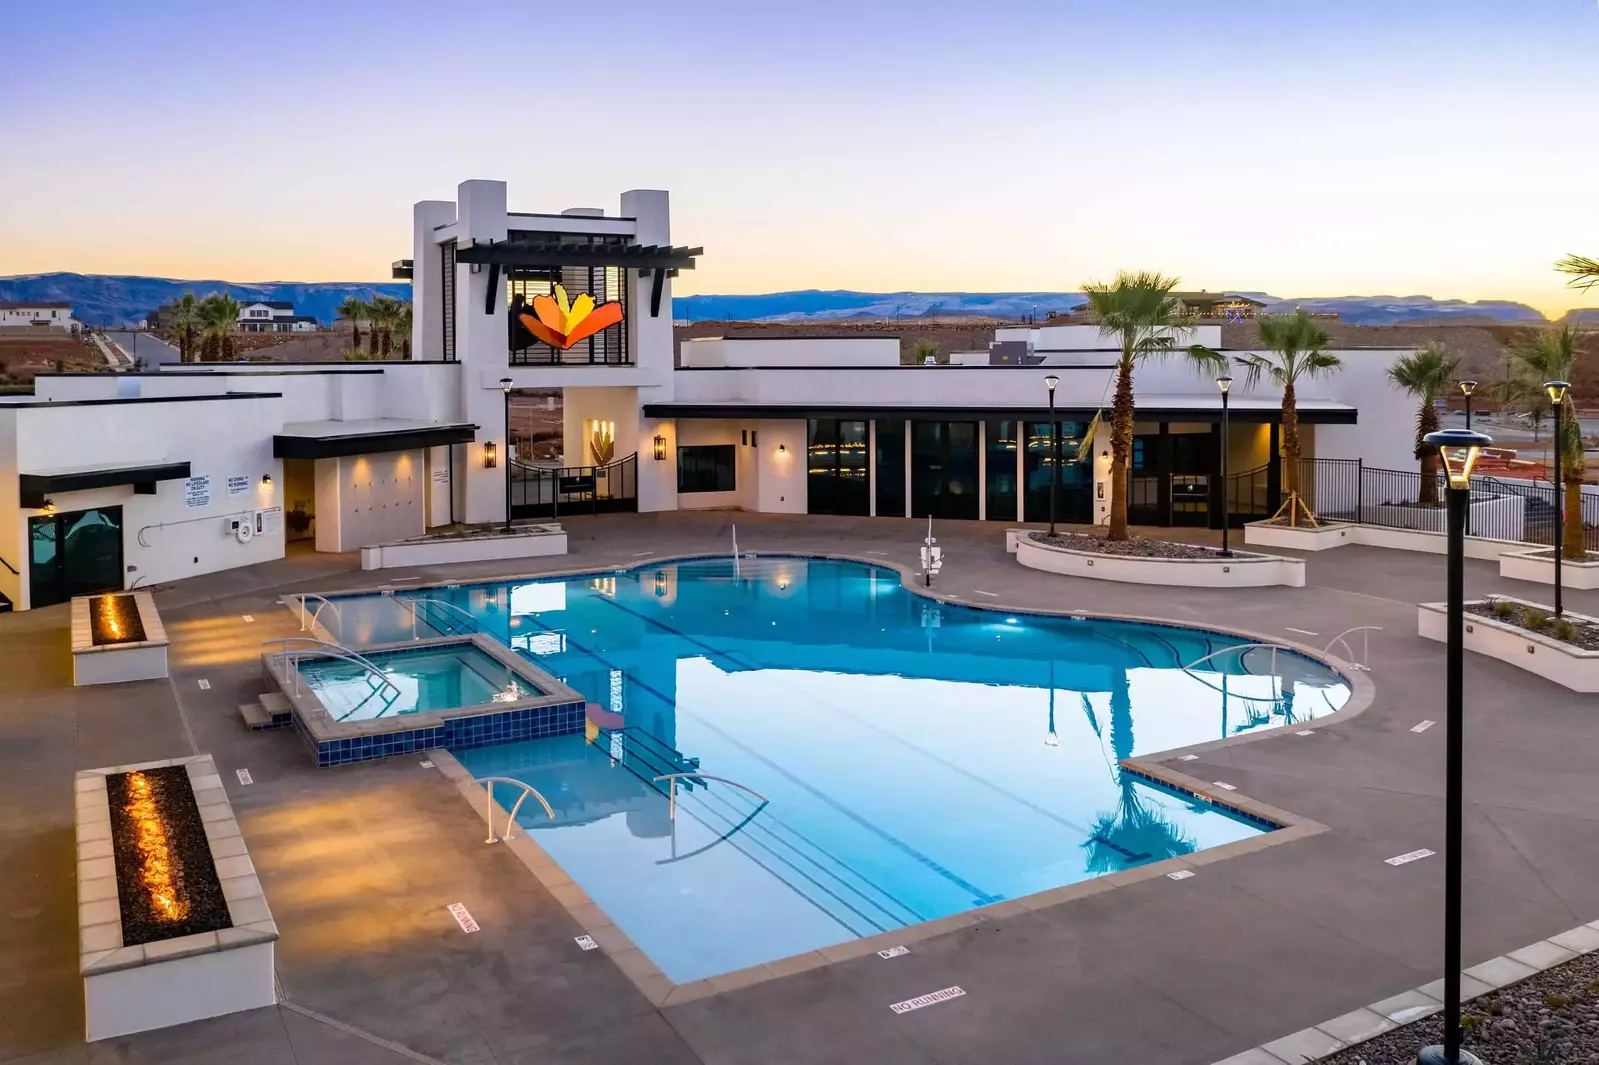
{"points": [[21, 357]]}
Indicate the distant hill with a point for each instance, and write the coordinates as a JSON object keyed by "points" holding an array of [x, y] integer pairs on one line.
{"points": [[102, 299], [105, 299], [813, 304]]}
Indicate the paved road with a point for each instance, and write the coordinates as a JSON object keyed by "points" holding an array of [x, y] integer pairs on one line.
{"points": [[359, 862]]}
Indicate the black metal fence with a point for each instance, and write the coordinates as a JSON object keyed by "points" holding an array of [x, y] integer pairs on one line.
{"points": [[553, 492], [1349, 490]]}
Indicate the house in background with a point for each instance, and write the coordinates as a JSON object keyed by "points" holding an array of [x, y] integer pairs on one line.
{"points": [[39, 315], [273, 316]]}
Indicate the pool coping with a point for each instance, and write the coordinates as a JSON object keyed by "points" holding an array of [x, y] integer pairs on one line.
{"points": [[662, 991]]}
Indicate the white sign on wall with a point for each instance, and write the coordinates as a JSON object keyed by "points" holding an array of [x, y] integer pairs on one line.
{"points": [[197, 492], [441, 475], [269, 521], [238, 486]]}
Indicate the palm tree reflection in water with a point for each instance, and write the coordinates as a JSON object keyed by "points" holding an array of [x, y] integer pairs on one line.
{"points": [[1133, 833]]}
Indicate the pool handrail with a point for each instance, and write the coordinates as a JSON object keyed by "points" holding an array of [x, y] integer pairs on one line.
{"points": [[332, 650], [1361, 663], [317, 613], [671, 792], [510, 822], [412, 600]]}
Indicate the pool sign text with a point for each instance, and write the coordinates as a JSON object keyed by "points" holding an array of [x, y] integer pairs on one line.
{"points": [[197, 492], [462, 917], [927, 1000], [1410, 856], [238, 485], [244, 776], [894, 952], [587, 943]]}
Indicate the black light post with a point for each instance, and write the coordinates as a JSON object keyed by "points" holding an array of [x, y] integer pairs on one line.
{"points": [[1225, 383], [505, 389], [1466, 389], [1557, 397], [1054, 435], [1459, 448]]}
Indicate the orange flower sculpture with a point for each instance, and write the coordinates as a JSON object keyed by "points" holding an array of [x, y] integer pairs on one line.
{"points": [[561, 323]]}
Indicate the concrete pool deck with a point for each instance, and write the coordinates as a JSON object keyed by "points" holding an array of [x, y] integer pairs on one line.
{"points": [[359, 863]]}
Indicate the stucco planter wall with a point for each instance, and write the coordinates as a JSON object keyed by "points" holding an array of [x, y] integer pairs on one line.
{"points": [[435, 551], [1332, 535], [152, 985], [1299, 537], [1568, 666], [1502, 514], [1538, 564], [1240, 571], [113, 663]]}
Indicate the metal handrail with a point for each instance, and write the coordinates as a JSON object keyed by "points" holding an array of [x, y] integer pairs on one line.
{"points": [[671, 789], [333, 650], [303, 596], [411, 601], [1365, 645], [1275, 647], [488, 803], [10, 567]]}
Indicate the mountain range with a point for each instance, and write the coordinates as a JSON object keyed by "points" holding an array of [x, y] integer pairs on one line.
{"points": [[114, 300]]}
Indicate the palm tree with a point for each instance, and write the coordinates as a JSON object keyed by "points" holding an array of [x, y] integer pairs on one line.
{"points": [[385, 312], [1583, 270], [218, 315], [925, 351], [355, 311], [1298, 348], [183, 319], [1426, 373], [403, 324], [1141, 312], [1551, 355]]}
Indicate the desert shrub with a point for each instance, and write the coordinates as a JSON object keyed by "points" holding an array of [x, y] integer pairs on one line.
{"points": [[1564, 629], [1503, 609], [1537, 620]]}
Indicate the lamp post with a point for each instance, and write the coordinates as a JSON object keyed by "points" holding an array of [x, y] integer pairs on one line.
{"points": [[1054, 435], [505, 390], [1557, 399], [1225, 383], [1466, 389], [1459, 448]]}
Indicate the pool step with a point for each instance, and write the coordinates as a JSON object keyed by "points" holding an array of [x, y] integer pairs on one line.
{"points": [[270, 713]]}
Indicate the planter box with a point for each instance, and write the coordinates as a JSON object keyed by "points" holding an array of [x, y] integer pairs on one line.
{"points": [[524, 542], [1300, 537], [1538, 565], [1331, 535], [1240, 571], [1569, 667], [165, 982], [112, 663], [1503, 514]]}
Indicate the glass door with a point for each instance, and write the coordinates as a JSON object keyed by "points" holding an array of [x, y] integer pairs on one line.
{"points": [[836, 471], [74, 553], [944, 469]]}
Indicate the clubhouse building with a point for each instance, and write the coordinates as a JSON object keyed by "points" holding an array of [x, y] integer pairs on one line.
{"points": [[126, 480]]}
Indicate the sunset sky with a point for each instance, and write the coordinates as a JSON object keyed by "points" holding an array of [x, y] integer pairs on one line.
{"points": [[1444, 147]]}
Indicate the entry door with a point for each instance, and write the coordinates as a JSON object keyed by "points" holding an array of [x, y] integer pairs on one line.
{"points": [[74, 553], [944, 469]]}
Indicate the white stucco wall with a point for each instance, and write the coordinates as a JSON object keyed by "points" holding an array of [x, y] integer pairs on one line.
{"points": [[370, 499], [818, 351]]}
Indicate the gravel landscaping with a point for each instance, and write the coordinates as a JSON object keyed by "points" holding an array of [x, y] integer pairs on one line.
{"points": [[1548, 1019], [166, 881], [1566, 629], [1136, 547]]}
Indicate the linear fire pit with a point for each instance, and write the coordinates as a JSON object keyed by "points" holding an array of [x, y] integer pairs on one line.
{"points": [[117, 637], [172, 923]]}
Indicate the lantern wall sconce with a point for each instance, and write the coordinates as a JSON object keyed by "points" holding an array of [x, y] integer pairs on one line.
{"points": [[491, 455], [266, 478], [660, 448]]}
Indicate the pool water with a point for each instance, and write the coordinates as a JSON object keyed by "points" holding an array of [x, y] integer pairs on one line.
{"points": [[426, 678], [905, 759]]}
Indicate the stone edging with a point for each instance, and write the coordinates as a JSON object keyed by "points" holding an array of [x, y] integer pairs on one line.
{"points": [[1358, 1026], [100, 947]]}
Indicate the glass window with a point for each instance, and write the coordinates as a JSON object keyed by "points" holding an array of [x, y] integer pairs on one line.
{"points": [[706, 468], [891, 468], [1072, 503], [1001, 471], [835, 463]]}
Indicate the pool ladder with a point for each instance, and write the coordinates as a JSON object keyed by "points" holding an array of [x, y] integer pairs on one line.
{"points": [[510, 821], [293, 657]]}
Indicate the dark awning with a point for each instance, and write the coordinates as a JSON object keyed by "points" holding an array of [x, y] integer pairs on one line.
{"points": [[332, 445], [36, 486], [561, 253], [402, 269], [1342, 416]]}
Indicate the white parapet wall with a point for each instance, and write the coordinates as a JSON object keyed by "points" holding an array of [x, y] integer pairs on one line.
{"points": [[1242, 570], [1538, 564], [165, 982], [1568, 666], [1337, 534], [113, 663], [524, 542], [1504, 515]]}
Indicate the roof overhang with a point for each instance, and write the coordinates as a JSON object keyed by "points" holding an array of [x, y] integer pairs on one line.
{"points": [[1337, 415], [562, 253], [36, 487], [402, 269], [331, 440]]}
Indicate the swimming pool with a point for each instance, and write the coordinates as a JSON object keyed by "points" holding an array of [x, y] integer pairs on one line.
{"points": [[908, 759], [420, 680]]}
